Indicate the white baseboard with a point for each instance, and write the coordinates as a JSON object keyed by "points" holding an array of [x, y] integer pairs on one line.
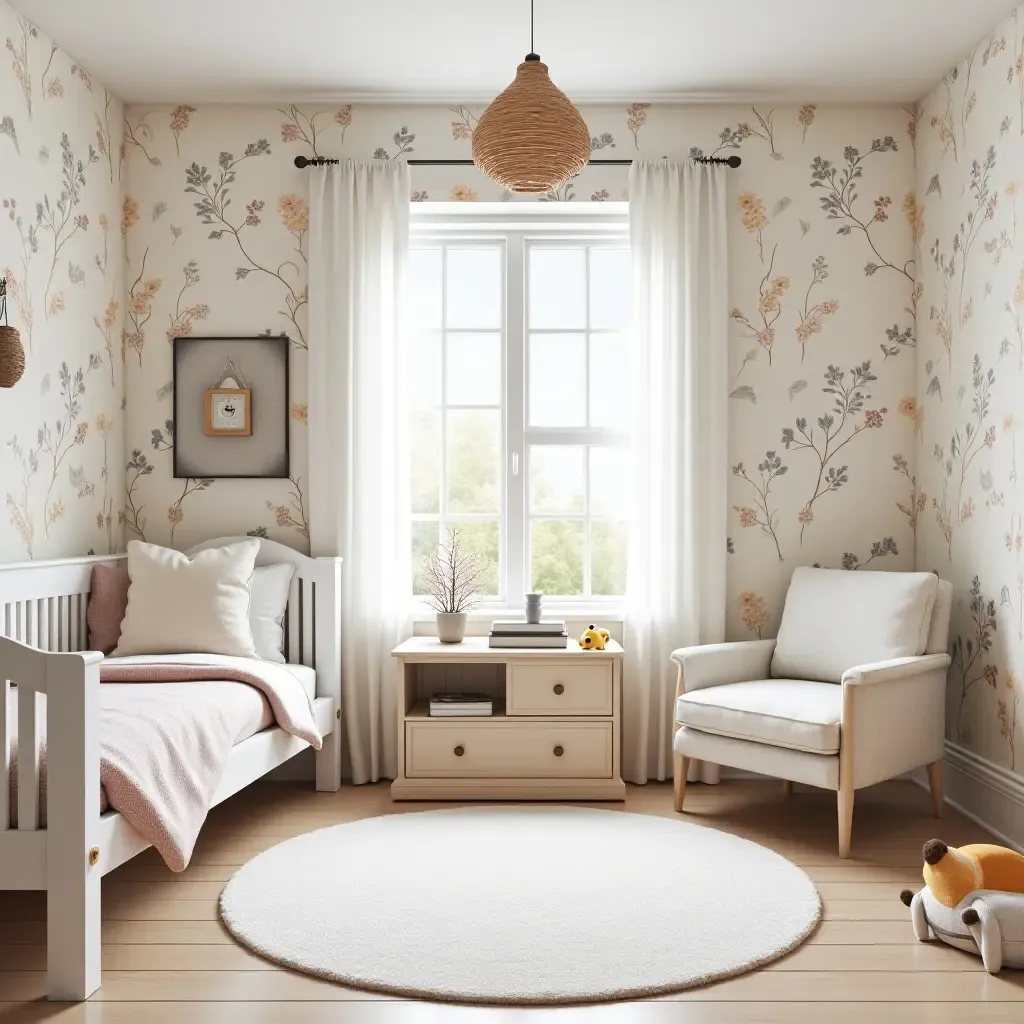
{"points": [[989, 795]]}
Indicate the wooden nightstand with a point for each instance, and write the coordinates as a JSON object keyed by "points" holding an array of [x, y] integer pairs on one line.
{"points": [[555, 733]]}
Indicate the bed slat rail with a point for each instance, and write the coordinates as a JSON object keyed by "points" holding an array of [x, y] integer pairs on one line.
{"points": [[45, 603]]}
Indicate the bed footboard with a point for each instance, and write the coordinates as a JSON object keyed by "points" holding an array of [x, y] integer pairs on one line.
{"points": [[63, 691]]}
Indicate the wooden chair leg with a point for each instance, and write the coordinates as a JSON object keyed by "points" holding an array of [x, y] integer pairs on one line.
{"points": [[935, 785], [679, 780], [787, 787], [844, 805]]}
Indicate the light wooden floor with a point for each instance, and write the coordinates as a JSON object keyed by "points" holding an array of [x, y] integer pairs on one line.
{"points": [[167, 958]]}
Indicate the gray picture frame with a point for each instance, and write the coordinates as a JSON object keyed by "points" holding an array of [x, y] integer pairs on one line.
{"points": [[263, 454]]}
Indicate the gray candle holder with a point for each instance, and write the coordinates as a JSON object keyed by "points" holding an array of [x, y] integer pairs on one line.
{"points": [[533, 609]]}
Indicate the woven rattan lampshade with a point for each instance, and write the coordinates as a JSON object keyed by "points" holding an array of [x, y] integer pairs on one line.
{"points": [[531, 138], [12, 353]]}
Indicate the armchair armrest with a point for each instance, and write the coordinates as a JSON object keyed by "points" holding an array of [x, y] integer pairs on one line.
{"points": [[718, 664], [895, 668], [893, 717]]}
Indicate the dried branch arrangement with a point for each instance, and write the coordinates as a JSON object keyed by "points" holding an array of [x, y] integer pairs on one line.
{"points": [[453, 576]]}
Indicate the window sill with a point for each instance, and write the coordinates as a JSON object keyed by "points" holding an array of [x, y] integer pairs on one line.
{"points": [[480, 619]]}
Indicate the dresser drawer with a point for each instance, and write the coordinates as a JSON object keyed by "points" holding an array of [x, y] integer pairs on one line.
{"points": [[504, 749], [554, 688]]}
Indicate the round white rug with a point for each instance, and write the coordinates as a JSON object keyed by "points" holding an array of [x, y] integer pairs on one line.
{"points": [[520, 904]]}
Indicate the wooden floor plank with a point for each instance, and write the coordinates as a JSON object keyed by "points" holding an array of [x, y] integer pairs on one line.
{"points": [[394, 1012], [167, 957]]}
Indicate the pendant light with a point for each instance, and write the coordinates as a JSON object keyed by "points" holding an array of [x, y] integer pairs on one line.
{"points": [[12, 354], [531, 138]]}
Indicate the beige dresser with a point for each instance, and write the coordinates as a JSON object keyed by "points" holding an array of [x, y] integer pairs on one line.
{"points": [[554, 735]]}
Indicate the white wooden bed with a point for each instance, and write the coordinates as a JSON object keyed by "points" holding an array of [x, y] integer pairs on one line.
{"points": [[43, 649]]}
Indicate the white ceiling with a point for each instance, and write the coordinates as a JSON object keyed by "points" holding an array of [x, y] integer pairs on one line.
{"points": [[180, 51]]}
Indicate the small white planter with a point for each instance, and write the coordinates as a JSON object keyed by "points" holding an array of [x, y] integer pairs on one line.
{"points": [[451, 627]]}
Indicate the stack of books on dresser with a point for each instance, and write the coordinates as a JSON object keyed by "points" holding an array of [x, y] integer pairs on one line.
{"points": [[528, 634], [460, 705]]}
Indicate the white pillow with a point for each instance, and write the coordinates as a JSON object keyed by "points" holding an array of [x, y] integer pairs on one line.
{"points": [[181, 605], [268, 600], [835, 619]]}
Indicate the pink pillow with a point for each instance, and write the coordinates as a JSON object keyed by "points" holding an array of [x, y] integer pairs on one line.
{"points": [[107, 605]]}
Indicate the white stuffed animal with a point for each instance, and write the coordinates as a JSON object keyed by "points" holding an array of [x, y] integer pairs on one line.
{"points": [[985, 921]]}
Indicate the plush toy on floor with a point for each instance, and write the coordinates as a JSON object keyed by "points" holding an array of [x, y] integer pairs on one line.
{"points": [[973, 899], [594, 639]]}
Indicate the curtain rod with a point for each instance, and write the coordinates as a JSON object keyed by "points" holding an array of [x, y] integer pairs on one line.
{"points": [[320, 161]]}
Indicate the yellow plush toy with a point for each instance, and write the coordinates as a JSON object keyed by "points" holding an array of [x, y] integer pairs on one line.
{"points": [[952, 873], [594, 639]]}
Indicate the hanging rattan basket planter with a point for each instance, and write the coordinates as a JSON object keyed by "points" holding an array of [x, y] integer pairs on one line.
{"points": [[12, 353], [531, 138]]}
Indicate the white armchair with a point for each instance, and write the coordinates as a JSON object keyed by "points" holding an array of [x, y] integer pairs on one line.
{"points": [[852, 692]]}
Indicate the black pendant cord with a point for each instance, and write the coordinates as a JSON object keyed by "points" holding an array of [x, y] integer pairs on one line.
{"points": [[321, 161], [3, 301]]}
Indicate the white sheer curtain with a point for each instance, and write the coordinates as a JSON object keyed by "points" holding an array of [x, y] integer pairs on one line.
{"points": [[358, 469], [675, 591]]}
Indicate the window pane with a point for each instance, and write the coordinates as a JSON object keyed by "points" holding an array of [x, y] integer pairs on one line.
{"points": [[425, 457], [609, 482], [609, 382], [424, 544], [608, 543], [474, 369], [482, 540], [558, 380], [474, 446], [558, 288], [425, 370], [557, 479], [474, 288], [425, 288], [611, 288], [556, 556]]}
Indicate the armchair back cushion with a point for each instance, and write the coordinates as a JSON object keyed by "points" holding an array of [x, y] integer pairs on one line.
{"points": [[835, 619], [938, 633]]}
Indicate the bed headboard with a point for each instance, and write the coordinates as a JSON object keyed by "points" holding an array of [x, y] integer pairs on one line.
{"points": [[43, 604]]}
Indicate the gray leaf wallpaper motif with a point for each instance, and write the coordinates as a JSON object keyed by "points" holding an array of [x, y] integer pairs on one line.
{"points": [[970, 382], [62, 257]]}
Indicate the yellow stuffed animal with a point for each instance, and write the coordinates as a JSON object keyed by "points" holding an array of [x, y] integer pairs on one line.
{"points": [[594, 639], [952, 873]]}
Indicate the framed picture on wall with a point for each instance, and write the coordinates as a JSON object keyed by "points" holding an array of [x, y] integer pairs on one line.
{"points": [[228, 412], [231, 407]]}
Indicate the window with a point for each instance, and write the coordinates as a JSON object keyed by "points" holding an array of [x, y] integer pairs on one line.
{"points": [[519, 398]]}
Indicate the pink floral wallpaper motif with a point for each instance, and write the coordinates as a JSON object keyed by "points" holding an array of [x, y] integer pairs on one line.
{"points": [[62, 257], [970, 382], [823, 297]]}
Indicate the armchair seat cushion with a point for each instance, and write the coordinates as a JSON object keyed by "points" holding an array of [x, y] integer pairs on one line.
{"points": [[793, 713]]}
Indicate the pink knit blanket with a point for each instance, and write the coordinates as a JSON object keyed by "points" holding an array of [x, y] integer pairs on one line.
{"points": [[164, 748]]}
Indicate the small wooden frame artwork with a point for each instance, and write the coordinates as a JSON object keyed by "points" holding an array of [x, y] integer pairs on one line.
{"points": [[228, 412]]}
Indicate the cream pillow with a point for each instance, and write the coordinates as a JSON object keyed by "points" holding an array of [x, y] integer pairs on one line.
{"points": [[835, 619], [268, 603], [183, 605]]}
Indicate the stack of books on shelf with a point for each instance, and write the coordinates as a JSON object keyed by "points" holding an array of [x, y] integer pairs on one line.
{"points": [[528, 634], [460, 705]]}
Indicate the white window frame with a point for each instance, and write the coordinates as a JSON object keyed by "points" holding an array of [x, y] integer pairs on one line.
{"points": [[515, 226]]}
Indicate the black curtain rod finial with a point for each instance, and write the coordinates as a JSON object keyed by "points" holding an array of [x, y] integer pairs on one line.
{"points": [[729, 161], [317, 161]]}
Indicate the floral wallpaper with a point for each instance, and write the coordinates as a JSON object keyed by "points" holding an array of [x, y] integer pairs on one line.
{"points": [[62, 258], [823, 218], [970, 382]]}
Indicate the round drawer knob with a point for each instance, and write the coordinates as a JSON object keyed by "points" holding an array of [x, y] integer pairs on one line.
{"points": [[559, 751], [460, 750], [559, 689]]}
